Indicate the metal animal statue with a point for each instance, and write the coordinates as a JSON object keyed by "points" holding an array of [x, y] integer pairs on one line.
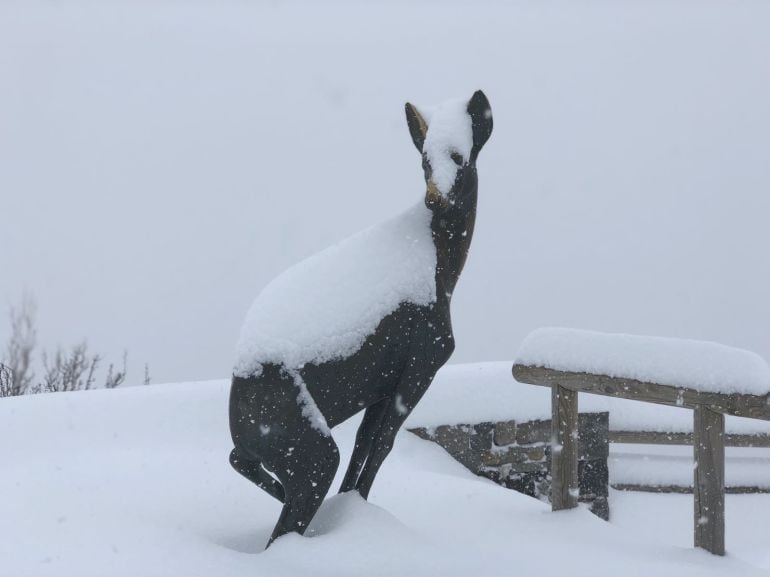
{"points": [[306, 364]]}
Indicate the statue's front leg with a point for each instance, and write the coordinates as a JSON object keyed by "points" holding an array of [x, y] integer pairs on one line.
{"points": [[364, 439], [398, 407]]}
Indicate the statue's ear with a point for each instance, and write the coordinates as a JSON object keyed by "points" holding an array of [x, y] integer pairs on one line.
{"points": [[481, 118], [418, 128]]}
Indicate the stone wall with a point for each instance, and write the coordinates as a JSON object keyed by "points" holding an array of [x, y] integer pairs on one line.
{"points": [[517, 455]]}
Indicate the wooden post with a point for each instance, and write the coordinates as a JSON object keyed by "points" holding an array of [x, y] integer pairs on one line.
{"points": [[564, 448], [709, 481]]}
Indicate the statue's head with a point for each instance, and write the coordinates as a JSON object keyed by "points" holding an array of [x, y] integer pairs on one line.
{"points": [[449, 137]]}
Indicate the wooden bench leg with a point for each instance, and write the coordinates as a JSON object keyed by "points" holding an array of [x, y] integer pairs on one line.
{"points": [[564, 448], [709, 481]]}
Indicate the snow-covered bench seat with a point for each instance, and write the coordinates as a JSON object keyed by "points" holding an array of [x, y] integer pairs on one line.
{"points": [[711, 379]]}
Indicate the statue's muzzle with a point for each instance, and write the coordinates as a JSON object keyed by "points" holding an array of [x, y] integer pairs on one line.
{"points": [[433, 197]]}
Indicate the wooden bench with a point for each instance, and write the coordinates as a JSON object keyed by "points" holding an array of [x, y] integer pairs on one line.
{"points": [[708, 408]]}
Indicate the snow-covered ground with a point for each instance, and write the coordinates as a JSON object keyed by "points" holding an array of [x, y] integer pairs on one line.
{"points": [[135, 481], [667, 519]]}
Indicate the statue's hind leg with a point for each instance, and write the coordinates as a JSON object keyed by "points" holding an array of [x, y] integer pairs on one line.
{"points": [[270, 426], [309, 472], [253, 471]]}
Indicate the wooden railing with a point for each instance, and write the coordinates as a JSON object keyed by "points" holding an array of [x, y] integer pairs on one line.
{"points": [[743, 440], [681, 438], [708, 437]]}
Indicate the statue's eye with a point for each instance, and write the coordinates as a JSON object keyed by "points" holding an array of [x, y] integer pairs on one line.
{"points": [[457, 158]]}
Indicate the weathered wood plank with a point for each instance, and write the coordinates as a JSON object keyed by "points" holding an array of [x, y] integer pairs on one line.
{"points": [[685, 490], [657, 438], [564, 448], [709, 479], [752, 406]]}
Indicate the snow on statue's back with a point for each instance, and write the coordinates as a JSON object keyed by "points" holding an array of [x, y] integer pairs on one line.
{"points": [[361, 326], [323, 308]]}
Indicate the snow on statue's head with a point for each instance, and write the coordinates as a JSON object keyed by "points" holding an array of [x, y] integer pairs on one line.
{"points": [[450, 136]]}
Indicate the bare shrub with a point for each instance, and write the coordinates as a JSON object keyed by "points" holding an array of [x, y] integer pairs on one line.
{"points": [[72, 371], [21, 344], [6, 380], [66, 370], [115, 378]]}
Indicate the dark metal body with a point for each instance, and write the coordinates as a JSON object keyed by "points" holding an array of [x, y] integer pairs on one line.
{"points": [[386, 377]]}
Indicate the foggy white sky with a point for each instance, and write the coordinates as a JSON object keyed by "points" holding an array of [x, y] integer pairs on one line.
{"points": [[160, 163]]}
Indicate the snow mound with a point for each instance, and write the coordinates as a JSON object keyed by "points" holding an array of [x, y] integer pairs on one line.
{"points": [[324, 307], [703, 366], [449, 130], [345, 512]]}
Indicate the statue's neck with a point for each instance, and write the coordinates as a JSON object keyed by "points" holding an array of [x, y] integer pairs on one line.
{"points": [[452, 231]]}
